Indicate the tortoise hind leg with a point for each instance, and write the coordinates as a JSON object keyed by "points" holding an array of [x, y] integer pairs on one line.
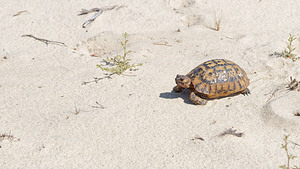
{"points": [[197, 100], [246, 92]]}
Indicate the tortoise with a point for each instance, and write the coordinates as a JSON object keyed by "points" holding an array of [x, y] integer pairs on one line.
{"points": [[212, 79]]}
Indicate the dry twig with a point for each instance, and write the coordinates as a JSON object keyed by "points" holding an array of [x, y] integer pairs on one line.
{"points": [[84, 11], [231, 132], [279, 88], [99, 106], [197, 138], [295, 144], [162, 43], [8, 136], [297, 114], [18, 13], [273, 93], [98, 12], [96, 79], [45, 40], [294, 85]]}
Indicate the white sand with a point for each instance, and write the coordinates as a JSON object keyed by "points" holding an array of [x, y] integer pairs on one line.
{"points": [[142, 124]]}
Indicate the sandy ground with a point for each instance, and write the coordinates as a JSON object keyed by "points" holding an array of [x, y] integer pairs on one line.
{"points": [[50, 119]]}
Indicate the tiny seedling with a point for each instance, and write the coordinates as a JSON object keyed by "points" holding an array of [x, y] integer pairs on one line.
{"points": [[289, 155], [120, 63], [217, 23], [288, 51], [76, 111]]}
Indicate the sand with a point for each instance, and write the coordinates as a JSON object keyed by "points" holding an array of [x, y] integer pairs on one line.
{"points": [[50, 118]]}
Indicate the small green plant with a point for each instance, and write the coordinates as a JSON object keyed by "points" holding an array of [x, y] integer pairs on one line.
{"points": [[289, 156], [120, 63], [288, 51]]}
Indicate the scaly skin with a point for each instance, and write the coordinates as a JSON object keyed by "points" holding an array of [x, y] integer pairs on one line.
{"points": [[196, 99], [178, 89]]}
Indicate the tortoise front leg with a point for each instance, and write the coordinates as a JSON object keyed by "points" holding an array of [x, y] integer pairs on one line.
{"points": [[178, 89], [196, 99]]}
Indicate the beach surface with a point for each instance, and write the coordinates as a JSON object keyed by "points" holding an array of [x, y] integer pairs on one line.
{"points": [[59, 110]]}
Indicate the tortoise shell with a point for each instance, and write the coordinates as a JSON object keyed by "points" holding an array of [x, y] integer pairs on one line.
{"points": [[218, 78]]}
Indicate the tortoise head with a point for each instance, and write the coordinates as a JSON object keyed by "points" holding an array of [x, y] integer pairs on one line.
{"points": [[183, 81]]}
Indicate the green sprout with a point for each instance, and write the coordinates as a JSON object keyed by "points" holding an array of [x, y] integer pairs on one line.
{"points": [[288, 52], [120, 63], [289, 156]]}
